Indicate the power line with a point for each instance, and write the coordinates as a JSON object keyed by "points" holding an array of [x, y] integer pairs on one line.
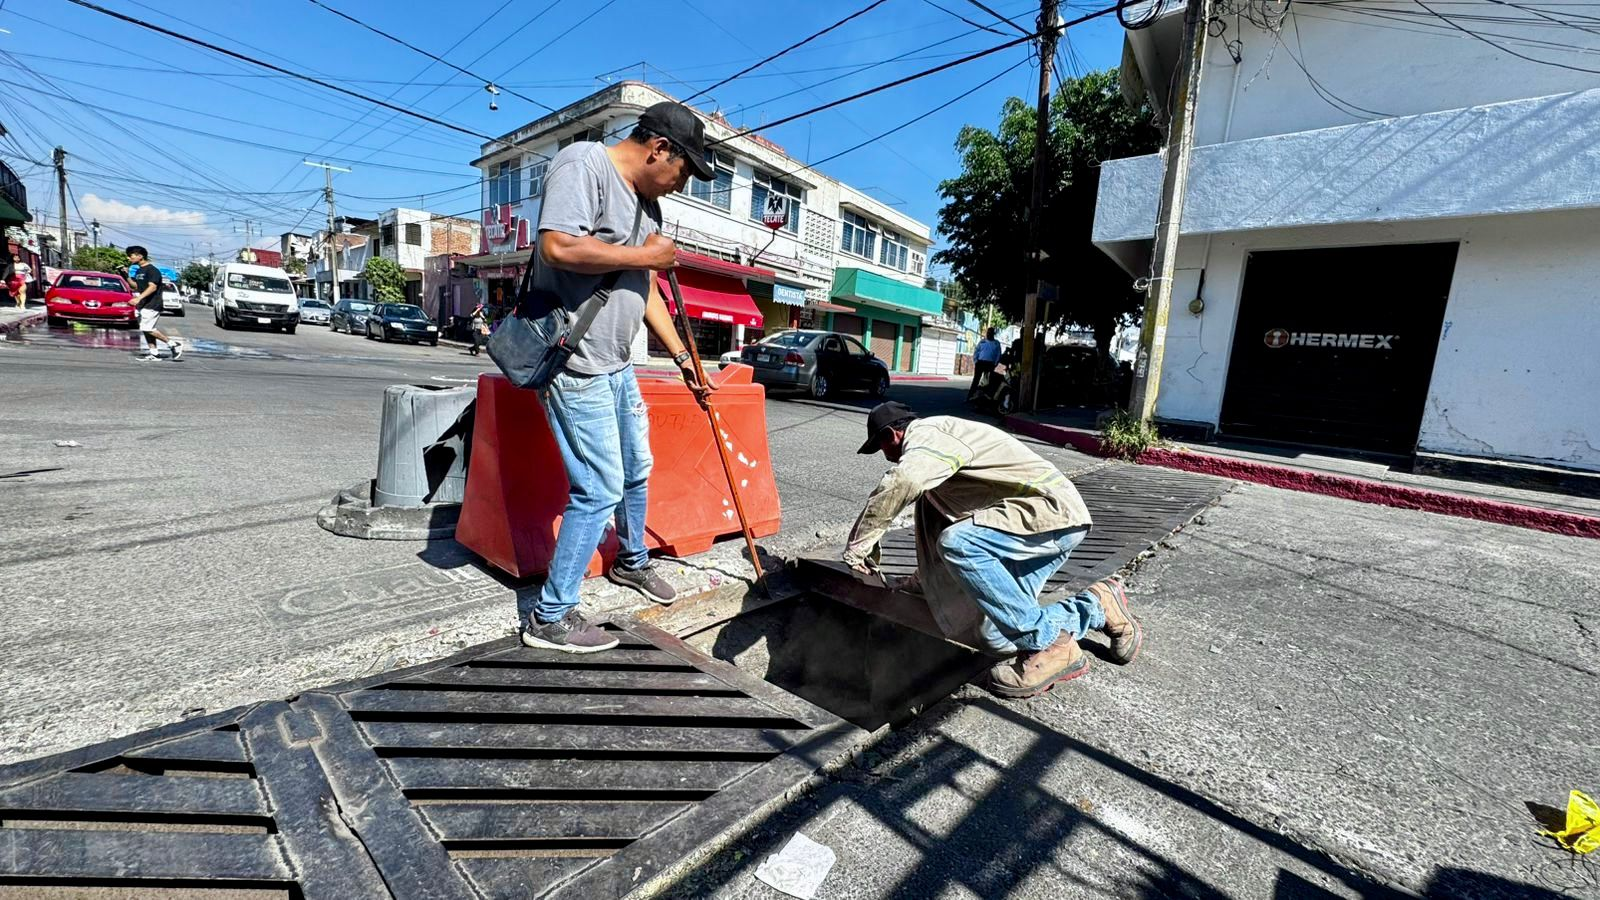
{"points": [[438, 59], [951, 12], [1500, 47], [151, 26], [979, 4], [795, 46]]}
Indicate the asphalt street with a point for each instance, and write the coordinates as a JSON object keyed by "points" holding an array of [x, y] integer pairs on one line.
{"points": [[173, 562], [1335, 700]]}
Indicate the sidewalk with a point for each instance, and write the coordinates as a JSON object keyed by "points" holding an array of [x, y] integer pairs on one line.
{"points": [[1354, 477], [13, 319]]}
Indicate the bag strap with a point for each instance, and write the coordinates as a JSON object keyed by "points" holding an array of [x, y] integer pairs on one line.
{"points": [[592, 306]]}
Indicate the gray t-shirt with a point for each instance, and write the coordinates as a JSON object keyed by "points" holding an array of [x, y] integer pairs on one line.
{"points": [[584, 195]]}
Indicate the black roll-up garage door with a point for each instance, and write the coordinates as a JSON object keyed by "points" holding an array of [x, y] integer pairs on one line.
{"points": [[1334, 347]]}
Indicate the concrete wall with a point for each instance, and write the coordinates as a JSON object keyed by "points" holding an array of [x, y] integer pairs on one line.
{"points": [[1516, 373], [1387, 59]]}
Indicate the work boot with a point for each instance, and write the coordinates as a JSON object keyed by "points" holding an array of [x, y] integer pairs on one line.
{"points": [[645, 581], [569, 634], [1126, 635], [1031, 673]]}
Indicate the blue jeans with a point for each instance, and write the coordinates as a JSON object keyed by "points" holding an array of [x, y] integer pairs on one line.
{"points": [[603, 429], [1005, 572]]}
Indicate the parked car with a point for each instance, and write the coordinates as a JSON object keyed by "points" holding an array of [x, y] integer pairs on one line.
{"points": [[401, 322], [729, 358], [90, 297], [315, 312], [819, 362], [350, 316], [171, 300], [255, 296]]}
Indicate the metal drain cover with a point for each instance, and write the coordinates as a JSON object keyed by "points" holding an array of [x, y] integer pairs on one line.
{"points": [[499, 772]]}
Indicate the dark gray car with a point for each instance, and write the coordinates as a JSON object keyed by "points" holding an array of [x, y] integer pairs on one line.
{"points": [[821, 363], [350, 317]]}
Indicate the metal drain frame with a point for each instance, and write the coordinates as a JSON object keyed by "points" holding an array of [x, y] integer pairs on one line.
{"points": [[497, 772]]}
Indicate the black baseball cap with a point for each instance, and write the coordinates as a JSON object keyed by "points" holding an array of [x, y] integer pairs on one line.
{"points": [[883, 417], [678, 124]]}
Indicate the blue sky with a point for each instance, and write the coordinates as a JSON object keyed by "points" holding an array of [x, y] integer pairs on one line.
{"points": [[187, 145]]}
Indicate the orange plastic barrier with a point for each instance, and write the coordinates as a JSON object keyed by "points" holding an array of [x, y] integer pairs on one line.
{"points": [[517, 485]]}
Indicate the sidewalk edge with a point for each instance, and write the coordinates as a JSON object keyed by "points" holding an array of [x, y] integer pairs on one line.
{"points": [[22, 322], [1347, 487]]}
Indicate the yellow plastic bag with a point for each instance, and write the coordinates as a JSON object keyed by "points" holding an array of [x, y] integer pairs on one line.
{"points": [[1582, 833]]}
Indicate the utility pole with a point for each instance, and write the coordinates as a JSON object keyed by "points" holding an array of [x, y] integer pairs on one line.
{"points": [[61, 188], [332, 250], [94, 227], [1049, 32], [1169, 220]]}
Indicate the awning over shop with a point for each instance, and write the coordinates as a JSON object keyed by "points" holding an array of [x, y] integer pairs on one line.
{"points": [[506, 260], [714, 266], [717, 298], [869, 288]]}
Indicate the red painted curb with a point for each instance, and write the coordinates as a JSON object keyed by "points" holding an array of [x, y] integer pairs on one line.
{"points": [[1345, 486]]}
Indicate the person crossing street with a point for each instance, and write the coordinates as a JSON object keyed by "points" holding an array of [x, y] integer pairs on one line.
{"points": [[994, 522], [147, 298]]}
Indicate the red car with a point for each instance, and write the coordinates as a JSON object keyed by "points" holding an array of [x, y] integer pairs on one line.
{"points": [[90, 297]]}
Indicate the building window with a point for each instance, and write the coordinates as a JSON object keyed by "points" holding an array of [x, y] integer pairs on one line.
{"points": [[860, 236], [414, 234], [386, 235], [536, 173], [894, 250], [588, 134], [505, 183], [917, 262], [719, 190], [762, 185]]}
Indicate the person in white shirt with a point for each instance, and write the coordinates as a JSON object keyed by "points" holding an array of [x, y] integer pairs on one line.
{"points": [[983, 361]]}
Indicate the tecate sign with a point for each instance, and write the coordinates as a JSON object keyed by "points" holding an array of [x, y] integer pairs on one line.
{"points": [[1278, 337]]}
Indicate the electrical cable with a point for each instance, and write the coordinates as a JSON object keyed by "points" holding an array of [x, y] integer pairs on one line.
{"points": [[979, 4], [952, 12], [1500, 47], [795, 46]]}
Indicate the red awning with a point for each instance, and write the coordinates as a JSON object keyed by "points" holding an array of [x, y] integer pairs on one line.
{"points": [[713, 297], [722, 267]]}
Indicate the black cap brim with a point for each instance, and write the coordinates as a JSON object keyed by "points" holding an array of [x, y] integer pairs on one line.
{"points": [[874, 443], [702, 169]]}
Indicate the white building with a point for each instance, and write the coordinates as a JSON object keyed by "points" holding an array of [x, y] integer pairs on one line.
{"points": [[1391, 226], [406, 237], [840, 260]]}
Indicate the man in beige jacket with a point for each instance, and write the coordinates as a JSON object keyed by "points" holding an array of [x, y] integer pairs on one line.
{"points": [[994, 522]]}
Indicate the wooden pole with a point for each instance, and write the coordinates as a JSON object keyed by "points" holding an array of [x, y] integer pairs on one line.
{"points": [[682, 316]]}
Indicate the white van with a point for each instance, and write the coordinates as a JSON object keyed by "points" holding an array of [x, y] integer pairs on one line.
{"points": [[260, 296]]}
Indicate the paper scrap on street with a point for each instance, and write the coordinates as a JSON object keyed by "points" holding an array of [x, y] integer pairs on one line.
{"points": [[799, 868], [68, 444], [1582, 834]]}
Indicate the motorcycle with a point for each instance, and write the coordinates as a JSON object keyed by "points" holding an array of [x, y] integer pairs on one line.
{"points": [[997, 393]]}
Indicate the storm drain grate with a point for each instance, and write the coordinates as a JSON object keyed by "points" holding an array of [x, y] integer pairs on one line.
{"points": [[500, 772]]}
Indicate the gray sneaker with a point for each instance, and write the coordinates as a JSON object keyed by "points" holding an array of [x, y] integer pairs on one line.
{"points": [[569, 634], [645, 581]]}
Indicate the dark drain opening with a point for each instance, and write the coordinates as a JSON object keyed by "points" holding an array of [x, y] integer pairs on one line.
{"points": [[858, 666]]}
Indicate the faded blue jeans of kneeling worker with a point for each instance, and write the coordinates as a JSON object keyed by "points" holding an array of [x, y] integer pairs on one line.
{"points": [[1005, 572], [603, 429]]}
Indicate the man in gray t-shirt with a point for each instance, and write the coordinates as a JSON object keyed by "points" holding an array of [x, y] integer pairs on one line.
{"points": [[599, 216]]}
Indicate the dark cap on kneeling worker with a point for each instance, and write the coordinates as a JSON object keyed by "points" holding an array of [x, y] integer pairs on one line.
{"points": [[884, 417]]}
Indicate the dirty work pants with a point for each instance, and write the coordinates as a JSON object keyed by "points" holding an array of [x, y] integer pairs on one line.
{"points": [[1005, 572], [603, 429]]}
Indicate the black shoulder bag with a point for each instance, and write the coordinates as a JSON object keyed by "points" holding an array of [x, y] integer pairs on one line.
{"points": [[534, 343]]}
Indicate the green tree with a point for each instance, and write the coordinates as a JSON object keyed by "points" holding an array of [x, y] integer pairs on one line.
{"points": [[986, 207], [197, 275], [99, 259], [387, 280], [294, 265]]}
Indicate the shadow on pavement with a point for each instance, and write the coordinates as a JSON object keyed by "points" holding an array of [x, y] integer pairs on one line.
{"points": [[1010, 838]]}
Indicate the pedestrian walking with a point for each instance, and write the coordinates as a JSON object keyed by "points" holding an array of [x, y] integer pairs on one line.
{"points": [[984, 358], [478, 324], [599, 231], [19, 283], [994, 521], [147, 297]]}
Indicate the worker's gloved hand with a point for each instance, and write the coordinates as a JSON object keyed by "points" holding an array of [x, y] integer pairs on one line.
{"points": [[905, 584]]}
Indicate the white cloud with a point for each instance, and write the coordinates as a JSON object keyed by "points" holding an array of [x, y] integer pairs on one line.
{"points": [[119, 213]]}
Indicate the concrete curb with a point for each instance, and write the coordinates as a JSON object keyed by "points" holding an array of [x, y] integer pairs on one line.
{"points": [[10, 325], [1345, 486]]}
